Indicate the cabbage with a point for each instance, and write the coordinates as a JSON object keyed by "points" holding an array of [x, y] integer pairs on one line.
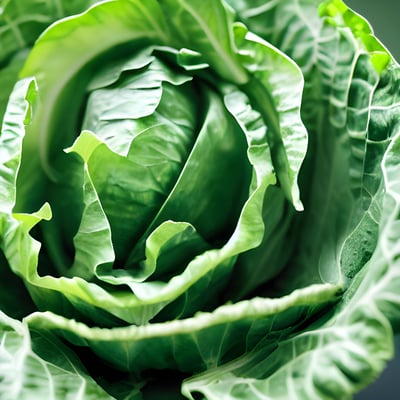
{"points": [[199, 199]]}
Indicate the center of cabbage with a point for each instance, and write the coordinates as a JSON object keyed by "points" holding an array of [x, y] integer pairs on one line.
{"points": [[147, 121], [169, 150]]}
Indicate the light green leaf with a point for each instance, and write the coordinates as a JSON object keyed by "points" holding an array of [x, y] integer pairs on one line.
{"points": [[85, 145], [130, 22], [37, 365], [169, 248], [344, 350], [332, 362], [30, 220], [19, 112], [340, 16], [344, 112], [8, 77], [209, 339], [93, 245], [118, 113], [21, 22], [277, 97], [88, 301]]}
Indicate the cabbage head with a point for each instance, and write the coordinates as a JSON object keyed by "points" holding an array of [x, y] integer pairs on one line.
{"points": [[200, 199]]}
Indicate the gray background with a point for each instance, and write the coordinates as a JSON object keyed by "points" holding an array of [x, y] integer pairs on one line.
{"points": [[384, 16]]}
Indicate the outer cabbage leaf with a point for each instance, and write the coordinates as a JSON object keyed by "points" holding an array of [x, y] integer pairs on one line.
{"points": [[351, 131], [208, 339], [20, 25], [349, 81], [37, 365], [345, 349]]}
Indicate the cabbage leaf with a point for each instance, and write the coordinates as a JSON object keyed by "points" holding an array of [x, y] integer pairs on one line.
{"points": [[201, 190]]}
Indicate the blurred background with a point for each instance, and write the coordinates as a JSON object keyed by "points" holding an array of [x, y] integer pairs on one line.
{"points": [[383, 15]]}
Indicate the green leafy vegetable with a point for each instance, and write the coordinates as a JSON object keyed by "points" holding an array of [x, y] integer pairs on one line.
{"points": [[35, 364], [201, 189]]}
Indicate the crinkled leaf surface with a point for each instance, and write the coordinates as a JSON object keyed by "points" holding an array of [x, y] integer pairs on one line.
{"points": [[343, 111], [208, 339], [344, 351], [334, 267], [150, 297], [37, 365], [20, 24]]}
